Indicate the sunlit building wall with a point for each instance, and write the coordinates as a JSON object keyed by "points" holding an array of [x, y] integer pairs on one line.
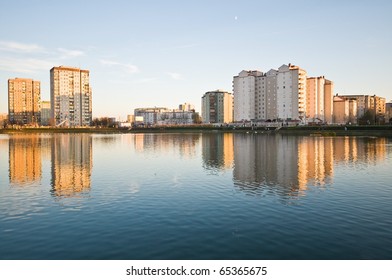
{"points": [[340, 110], [24, 101], [319, 98], [217, 107], [70, 96]]}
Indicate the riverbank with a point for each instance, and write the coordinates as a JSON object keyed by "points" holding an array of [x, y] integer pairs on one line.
{"points": [[369, 130]]}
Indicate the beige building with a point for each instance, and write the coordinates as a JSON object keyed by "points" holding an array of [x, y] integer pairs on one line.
{"points": [[374, 103], [24, 101], [319, 99], [70, 96], [217, 107], [344, 110]]}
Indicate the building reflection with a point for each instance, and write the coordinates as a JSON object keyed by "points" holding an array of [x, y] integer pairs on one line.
{"points": [[71, 164], [25, 165], [283, 164], [217, 151], [166, 142]]}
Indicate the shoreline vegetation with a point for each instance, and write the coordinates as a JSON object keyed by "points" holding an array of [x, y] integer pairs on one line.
{"points": [[348, 130]]}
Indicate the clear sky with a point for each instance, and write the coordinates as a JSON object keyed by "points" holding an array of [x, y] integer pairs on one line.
{"points": [[163, 53]]}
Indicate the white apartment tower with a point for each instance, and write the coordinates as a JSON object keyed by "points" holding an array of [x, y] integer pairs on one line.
{"points": [[244, 89], [70, 96]]}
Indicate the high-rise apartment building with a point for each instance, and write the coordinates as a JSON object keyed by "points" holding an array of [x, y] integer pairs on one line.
{"points": [[24, 101], [319, 99], [291, 93], [244, 90], [277, 94], [70, 96], [217, 107]]}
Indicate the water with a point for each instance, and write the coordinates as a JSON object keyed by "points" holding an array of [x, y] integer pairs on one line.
{"points": [[195, 196]]}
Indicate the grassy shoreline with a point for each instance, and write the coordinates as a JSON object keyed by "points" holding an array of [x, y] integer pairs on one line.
{"points": [[385, 130]]}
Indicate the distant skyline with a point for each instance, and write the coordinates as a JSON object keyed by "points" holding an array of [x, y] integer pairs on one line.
{"points": [[164, 53]]}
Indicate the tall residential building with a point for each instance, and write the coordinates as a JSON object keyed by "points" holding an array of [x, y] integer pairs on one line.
{"points": [[217, 107], [24, 101], [45, 113], [319, 99], [244, 90], [291, 93], [70, 96], [277, 94]]}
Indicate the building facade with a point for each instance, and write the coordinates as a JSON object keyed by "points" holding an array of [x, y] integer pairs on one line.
{"points": [[217, 107], [70, 96], [24, 101]]}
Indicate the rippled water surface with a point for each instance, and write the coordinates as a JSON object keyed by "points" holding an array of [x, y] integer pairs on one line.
{"points": [[195, 196]]}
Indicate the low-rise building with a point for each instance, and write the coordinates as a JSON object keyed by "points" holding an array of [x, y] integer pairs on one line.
{"points": [[344, 110], [163, 116]]}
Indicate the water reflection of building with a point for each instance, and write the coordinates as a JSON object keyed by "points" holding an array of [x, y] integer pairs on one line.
{"points": [[25, 165], [280, 163], [71, 164], [217, 150], [315, 161], [288, 164], [185, 143], [369, 150]]}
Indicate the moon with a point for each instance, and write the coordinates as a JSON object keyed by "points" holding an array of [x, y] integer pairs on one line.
{"points": [[235, 18]]}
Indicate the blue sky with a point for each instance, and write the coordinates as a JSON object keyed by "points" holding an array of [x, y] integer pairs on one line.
{"points": [[163, 53]]}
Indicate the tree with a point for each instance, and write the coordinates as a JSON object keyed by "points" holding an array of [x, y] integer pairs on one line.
{"points": [[367, 118], [196, 118]]}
